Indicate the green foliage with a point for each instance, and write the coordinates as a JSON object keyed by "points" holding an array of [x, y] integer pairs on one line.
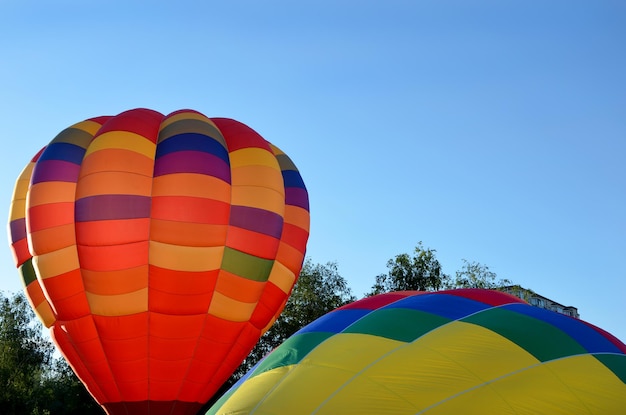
{"points": [[66, 394], [421, 272], [476, 275], [32, 381], [23, 356]]}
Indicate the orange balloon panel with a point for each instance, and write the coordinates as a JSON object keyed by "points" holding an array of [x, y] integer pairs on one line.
{"points": [[158, 249]]}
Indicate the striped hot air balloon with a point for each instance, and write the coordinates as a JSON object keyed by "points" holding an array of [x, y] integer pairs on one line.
{"points": [[158, 249], [470, 352]]}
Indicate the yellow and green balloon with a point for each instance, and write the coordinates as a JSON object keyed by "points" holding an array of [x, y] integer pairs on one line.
{"points": [[470, 352]]}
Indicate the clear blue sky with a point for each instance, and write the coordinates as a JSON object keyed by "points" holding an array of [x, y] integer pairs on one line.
{"points": [[493, 131]]}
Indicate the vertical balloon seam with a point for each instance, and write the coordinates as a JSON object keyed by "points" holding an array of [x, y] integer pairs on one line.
{"points": [[286, 166], [272, 318], [268, 282], [18, 225], [229, 150], [206, 315], [265, 324], [105, 353], [285, 163], [56, 324], [125, 404], [150, 253], [149, 237], [165, 122], [22, 262], [119, 403], [90, 381], [102, 121], [210, 385], [254, 142], [36, 284], [277, 152]]}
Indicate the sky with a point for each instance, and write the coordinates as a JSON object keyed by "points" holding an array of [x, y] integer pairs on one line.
{"points": [[490, 131]]}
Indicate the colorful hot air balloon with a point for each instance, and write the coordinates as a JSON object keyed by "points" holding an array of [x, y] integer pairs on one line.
{"points": [[449, 352], [158, 249]]}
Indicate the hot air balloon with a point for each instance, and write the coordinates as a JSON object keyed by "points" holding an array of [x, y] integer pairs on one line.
{"points": [[158, 249], [466, 351]]}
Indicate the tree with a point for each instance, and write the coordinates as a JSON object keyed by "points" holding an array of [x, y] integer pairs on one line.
{"points": [[421, 272], [23, 355], [319, 290], [66, 394], [476, 275], [32, 380]]}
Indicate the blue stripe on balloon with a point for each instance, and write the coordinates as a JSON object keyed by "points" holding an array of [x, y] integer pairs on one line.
{"points": [[444, 305], [292, 179], [64, 152], [336, 321], [192, 142], [592, 340]]}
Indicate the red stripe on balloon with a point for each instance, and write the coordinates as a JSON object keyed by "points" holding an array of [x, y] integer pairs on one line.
{"points": [[140, 121]]}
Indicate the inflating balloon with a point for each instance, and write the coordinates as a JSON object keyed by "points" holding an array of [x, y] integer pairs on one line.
{"points": [[449, 352], [158, 249]]}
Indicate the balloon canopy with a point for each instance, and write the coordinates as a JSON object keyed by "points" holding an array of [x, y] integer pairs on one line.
{"points": [[448, 352], [158, 249]]}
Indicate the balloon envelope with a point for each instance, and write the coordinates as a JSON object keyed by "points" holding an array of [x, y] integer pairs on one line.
{"points": [[158, 249], [449, 352]]}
